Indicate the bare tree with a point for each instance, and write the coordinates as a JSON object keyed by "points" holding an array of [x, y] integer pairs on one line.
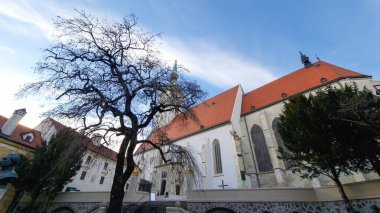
{"points": [[179, 159], [109, 74]]}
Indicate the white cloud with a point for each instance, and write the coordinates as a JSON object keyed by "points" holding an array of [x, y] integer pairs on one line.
{"points": [[11, 83], [219, 67], [205, 60], [27, 12], [16, 27], [7, 49], [32, 14]]}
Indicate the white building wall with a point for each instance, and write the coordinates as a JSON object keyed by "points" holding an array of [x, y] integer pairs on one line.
{"points": [[280, 176], [195, 142], [94, 171]]}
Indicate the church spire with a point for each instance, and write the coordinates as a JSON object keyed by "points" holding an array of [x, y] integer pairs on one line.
{"points": [[174, 74], [172, 96]]}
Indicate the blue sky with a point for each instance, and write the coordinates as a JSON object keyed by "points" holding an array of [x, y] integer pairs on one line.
{"points": [[222, 43]]}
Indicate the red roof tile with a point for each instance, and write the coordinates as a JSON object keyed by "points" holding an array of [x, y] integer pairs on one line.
{"points": [[101, 149], [296, 82], [215, 111], [16, 135]]}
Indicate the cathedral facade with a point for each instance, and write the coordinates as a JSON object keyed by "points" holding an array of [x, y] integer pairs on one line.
{"points": [[235, 139]]}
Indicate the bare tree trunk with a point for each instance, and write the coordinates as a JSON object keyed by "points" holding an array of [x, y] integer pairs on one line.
{"points": [[120, 178], [117, 191], [117, 195], [346, 201]]}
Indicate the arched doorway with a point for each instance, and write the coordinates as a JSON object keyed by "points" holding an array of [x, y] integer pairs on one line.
{"points": [[63, 210], [220, 210]]}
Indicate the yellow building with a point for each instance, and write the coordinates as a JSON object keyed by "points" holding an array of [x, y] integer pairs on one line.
{"points": [[19, 139]]}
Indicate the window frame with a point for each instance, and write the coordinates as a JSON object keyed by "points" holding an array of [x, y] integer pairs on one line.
{"points": [[83, 175], [217, 155], [88, 160], [105, 166], [261, 150], [102, 178]]}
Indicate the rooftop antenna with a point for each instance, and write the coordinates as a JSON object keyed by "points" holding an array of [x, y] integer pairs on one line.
{"points": [[305, 60]]}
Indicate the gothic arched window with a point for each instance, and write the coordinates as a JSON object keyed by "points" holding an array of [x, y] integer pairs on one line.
{"points": [[277, 135], [218, 169], [261, 150]]}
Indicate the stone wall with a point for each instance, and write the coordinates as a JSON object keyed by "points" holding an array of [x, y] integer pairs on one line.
{"points": [[362, 206], [76, 207], [364, 196]]}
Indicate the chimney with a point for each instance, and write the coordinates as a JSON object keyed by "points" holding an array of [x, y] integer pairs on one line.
{"points": [[11, 124]]}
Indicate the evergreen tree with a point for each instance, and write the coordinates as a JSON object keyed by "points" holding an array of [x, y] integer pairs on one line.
{"points": [[361, 110], [324, 138], [53, 165]]}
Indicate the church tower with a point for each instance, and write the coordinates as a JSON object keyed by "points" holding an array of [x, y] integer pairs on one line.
{"points": [[172, 96]]}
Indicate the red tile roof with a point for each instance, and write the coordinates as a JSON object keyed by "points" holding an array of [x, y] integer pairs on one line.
{"points": [[20, 129], [101, 149], [302, 80], [215, 111]]}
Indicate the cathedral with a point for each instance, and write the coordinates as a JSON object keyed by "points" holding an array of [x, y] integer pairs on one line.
{"points": [[226, 159], [235, 140]]}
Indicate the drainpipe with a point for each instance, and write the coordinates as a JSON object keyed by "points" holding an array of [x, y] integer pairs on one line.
{"points": [[253, 155]]}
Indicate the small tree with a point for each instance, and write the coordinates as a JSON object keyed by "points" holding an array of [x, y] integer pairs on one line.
{"points": [[52, 166], [109, 74], [323, 139]]}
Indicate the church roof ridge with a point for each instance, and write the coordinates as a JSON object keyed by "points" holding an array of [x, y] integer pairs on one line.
{"points": [[299, 81]]}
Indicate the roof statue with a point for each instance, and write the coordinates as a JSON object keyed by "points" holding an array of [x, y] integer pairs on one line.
{"points": [[8, 163], [305, 60]]}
